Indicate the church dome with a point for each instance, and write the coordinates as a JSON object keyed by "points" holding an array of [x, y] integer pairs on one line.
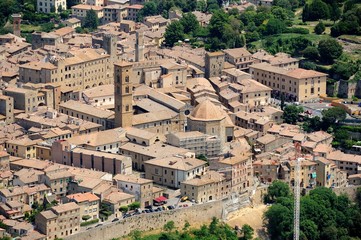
{"points": [[207, 111]]}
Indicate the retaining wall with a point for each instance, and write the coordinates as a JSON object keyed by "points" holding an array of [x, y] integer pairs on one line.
{"points": [[146, 222]]}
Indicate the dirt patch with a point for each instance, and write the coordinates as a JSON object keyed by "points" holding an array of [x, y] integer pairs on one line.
{"points": [[251, 216]]}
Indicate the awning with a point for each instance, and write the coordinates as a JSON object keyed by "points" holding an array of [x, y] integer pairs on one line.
{"points": [[160, 199]]}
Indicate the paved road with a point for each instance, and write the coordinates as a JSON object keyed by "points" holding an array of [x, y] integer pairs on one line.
{"points": [[316, 108]]}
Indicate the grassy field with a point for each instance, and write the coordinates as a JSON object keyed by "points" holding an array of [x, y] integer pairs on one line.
{"points": [[351, 38], [312, 37], [28, 28]]}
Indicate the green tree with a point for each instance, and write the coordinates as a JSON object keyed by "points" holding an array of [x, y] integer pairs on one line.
{"points": [[283, 101], [60, 8], [52, 9], [240, 41], [331, 116], [201, 6], [281, 13], [64, 14], [252, 36], [291, 113], [335, 12], [224, 32], [329, 50], [311, 53], [134, 205], [276, 190], [279, 221], [343, 70], [186, 226], [320, 28], [349, 23], [190, 6], [324, 215], [236, 24], [86, 217], [309, 228], [47, 27], [173, 33], [329, 233], [299, 44], [124, 209], [149, 9], [312, 124], [70, 3], [190, 23], [247, 232], [135, 235], [6, 238], [358, 197], [81, 30], [316, 10], [91, 20], [202, 157], [341, 136], [274, 26], [212, 6], [216, 24], [169, 226], [213, 225], [308, 65], [285, 4], [234, 12]]}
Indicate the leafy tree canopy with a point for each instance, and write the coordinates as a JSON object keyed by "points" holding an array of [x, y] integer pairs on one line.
{"points": [[315, 10], [323, 216], [332, 116], [190, 23], [329, 50], [320, 28], [174, 33], [291, 113], [277, 190], [91, 20]]}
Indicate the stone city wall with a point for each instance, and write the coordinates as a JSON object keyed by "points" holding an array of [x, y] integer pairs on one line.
{"points": [[146, 222], [350, 191]]}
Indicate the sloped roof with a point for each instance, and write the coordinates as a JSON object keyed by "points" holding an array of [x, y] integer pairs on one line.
{"points": [[208, 111]]}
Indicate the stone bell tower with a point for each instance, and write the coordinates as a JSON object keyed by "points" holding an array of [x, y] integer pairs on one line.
{"points": [[16, 24]]}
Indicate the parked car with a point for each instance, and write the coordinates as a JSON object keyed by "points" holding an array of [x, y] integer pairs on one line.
{"points": [[184, 198], [115, 220], [99, 225], [171, 207]]}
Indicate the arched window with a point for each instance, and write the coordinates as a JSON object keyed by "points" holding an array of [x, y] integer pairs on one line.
{"points": [[126, 78], [126, 89]]}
